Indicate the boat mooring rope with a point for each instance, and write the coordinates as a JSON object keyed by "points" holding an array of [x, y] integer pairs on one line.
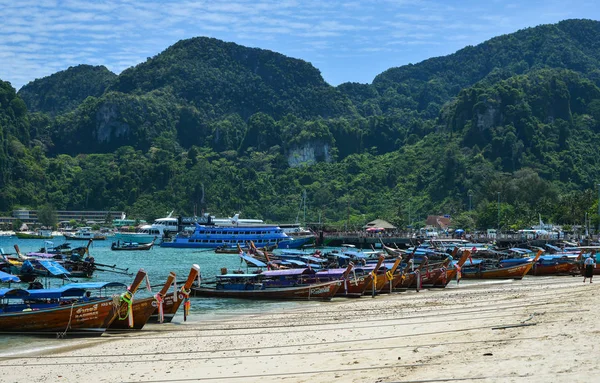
{"points": [[61, 335]]}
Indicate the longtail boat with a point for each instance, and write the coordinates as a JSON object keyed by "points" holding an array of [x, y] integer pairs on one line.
{"points": [[76, 317], [319, 291], [354, 286], [556, 265], [170, 302], [131, 246], [480, 271], [254, 286], [426, 275], [141, 309]]}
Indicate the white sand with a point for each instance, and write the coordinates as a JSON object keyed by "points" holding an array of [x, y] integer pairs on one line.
{"points": [[435, 335]]}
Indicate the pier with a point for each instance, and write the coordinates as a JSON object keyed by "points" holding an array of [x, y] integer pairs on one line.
{"points": [[404, 240]]}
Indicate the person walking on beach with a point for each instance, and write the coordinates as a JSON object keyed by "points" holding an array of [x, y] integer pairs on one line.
{"points": [[590, 265]]}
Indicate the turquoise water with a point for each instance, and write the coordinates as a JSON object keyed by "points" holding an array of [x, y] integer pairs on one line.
{"points": [[157, 262]]}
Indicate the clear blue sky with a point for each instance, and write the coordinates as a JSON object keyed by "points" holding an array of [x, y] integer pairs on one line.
{"points": [[347, 40]]}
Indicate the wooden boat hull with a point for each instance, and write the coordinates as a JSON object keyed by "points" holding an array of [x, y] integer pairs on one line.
{"points": [[170, 305], [142, 310], [354, 288], [381, 282], [580, 269], [86, 318], [434, 278], [514, 272], [320, 291], [170, 308], [389, 287], [408, 280], [558, 269]]}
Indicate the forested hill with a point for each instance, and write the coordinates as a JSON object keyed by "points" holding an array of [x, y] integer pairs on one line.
{"points": [[199, 91], [216, 125], [570, 44], [220, 78], [65, 90]]}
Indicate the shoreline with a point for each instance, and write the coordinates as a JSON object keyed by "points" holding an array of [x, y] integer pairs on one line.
{"points": [[538, 329]]}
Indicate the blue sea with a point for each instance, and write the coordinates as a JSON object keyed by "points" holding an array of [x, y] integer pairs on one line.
{"points": [[157, 262]]}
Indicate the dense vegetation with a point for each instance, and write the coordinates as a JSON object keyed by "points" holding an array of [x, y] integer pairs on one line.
{"points": [[64, 91], [213, 125]]}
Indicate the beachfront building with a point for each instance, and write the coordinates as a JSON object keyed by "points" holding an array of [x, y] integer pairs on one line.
{"points": [[88, 216]]}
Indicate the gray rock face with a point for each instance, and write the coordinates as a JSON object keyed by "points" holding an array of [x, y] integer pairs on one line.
{"points": [[108, 124], [486, 119], [308, 154]]}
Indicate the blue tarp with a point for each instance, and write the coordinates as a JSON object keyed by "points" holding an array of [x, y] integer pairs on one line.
{"points": [[553, 247], [94, 285], [5, 277], [53, 267], [519, 250], [56, 293], [286, 272], [253, 261], [293, 262], [314, 259], [13, 293]]}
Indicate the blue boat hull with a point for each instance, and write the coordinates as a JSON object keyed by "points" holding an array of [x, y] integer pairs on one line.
{"points": [[295, 243], [211, 237]]}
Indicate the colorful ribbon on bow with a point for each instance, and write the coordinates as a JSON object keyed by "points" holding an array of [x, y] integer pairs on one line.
{"points": [[186, 302], [161, 311], [127, 297]]}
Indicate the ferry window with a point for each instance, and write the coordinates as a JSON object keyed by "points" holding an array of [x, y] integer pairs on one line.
{"points": [[211, 241], [218, 232], [235, 233], [201, 232], [205, 241]]}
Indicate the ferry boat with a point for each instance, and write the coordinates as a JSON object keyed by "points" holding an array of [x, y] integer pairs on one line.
{"points": [[161, 227], [165, 227], [213, 236]]}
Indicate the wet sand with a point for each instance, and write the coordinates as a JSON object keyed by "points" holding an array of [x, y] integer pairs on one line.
{"points": [[540, 329]]}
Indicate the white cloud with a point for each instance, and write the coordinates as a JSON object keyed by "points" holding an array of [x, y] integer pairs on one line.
{"points": [[38, 37]]}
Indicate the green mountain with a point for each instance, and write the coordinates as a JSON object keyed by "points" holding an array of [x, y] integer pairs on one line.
{"points": [[426, 86], [215, 125], [222, 78], [200, 91], [65, 90]]}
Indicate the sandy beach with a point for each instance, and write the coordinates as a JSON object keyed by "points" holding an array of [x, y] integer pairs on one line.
{"points": [[540, 329]]}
